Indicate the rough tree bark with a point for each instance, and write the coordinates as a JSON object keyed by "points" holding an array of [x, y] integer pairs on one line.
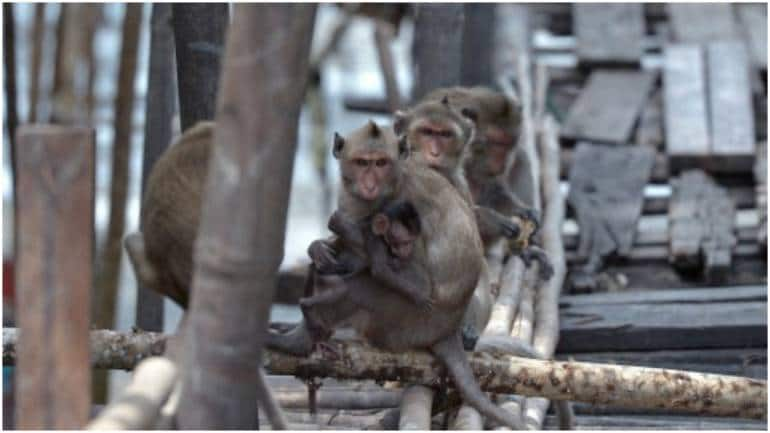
{"points": [[478, 44], [108, 271], [53, 276], [437, 47], [598, 384], [240, 244], [157, 135], [199, 36]]}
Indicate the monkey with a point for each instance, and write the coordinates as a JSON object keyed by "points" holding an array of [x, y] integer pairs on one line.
{"points": [[376, 170], [162, 253], [388, 242]]}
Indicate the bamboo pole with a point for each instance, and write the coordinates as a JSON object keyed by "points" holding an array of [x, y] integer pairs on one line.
{"points": [[139, 407], [243, 220], [599, 384]]}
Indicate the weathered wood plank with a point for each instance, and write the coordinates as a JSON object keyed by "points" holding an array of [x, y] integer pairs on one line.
{"points": [[753, 22], [650, 129], [703, 295], [701, 23], [730, 106], [684, 86], [656, 422], [608, 106], [760, 177], [606, 192], [701, 219], [669, 326], [608, 32], [54, 275]]}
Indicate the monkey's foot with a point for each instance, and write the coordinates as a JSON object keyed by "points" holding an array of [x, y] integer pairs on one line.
{"points": [[470, 336], [297, 341]]}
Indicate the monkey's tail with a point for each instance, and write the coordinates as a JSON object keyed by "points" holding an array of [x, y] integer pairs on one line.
{"points": [[450, 352]]}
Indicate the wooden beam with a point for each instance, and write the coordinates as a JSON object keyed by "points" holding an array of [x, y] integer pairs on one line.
{"points": [[701, 23], [54, 275], [608, 106], [731, 112], [248, 182], [199, 37], [609, 33]]}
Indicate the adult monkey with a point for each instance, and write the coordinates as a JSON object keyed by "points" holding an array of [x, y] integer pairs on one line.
{"points": [[375, 170]]}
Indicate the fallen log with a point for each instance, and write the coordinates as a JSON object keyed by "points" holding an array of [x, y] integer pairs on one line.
{"points": [[620, 386]]}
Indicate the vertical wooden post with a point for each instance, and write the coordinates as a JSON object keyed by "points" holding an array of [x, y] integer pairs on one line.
{"points": [[199, 34], [157, 135], [38, 32], [243, 221], [478, 44], [56, 197], [437, 49], [108, 271]]}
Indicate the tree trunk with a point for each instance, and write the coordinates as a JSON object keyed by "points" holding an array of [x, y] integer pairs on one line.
{"points": [[437, 47], [199, 36], [108, 272], [12, 119], [243, 221], [157, 135], [63, 100], [38, 31]]}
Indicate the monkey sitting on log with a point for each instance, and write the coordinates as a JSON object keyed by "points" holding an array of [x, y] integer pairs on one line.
{"points": [[383, 247], [376, 171]]}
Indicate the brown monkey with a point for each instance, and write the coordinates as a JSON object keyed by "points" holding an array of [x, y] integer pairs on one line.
{"points": [[162, 254], [375, 172]]}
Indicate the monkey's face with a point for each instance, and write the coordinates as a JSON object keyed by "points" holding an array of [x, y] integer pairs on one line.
{"points": [[400, 240], [499, 144], [438, 144], [369, 174]]}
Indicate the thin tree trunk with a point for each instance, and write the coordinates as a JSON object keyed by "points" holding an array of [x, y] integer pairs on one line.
{"points": [[199, 35], [12, 119], [38, 36], [63, 102], [240, 243], [382, 37], [478, 44], [599, 384], [92, 21], [437, 49], [157, 135], [108, 273]]}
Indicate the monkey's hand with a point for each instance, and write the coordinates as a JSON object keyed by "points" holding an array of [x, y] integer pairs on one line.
{"points": [[530, 215], [323, 255], [533, 253], [422, 301]]}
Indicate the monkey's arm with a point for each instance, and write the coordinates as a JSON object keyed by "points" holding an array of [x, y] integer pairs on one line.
{"points": [[348, 230], [408, 282], [493, 225]]}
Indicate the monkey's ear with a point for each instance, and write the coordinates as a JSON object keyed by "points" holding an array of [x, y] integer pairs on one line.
{"points": [[471, 114], [339, 143], [403, 148], [374, 130], [400, 120], [380, 224]]}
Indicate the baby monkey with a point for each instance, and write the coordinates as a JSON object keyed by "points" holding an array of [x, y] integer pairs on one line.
{"points": [[382, 245]]}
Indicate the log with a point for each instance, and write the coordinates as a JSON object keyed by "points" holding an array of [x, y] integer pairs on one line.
{"points": [[53, 275], [340, 399], [576, 381], [248, 181], [415, 411], [731, 112], [157, 135], [609, 33], [199, 38], [140, 404], [608, 107], [104, 301], [437, 47]]}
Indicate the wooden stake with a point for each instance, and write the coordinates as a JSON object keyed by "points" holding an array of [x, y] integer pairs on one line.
{"points": [[243, 221], [54, 275]]}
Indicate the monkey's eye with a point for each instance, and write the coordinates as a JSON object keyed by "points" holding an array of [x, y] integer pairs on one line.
{"points": [[360, 162], [426, 131], [381, 162], [445, 134]]}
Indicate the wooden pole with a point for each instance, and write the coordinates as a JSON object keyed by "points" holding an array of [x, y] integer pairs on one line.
{"points": [[157, 135], [478, 44], [108, 271], [599, 384], [240, 242], [54, 275], [38, 31], [199, 36], [139, 406], [437, 48]]}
